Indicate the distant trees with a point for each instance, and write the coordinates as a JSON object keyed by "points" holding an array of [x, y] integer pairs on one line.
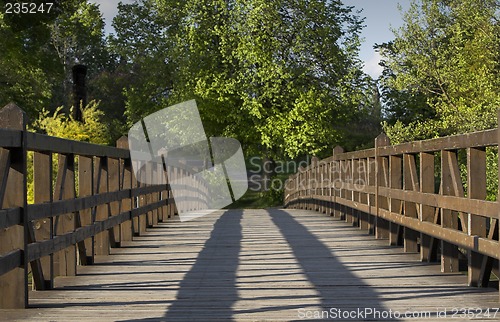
{"points": [[281, 76], [441, 72]]}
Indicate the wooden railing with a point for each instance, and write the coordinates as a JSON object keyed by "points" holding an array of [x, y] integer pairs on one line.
{"points": [[83, 205], [413, 194]]}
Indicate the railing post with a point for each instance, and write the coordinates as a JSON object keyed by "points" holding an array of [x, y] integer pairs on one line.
{"points": [[300, 187], [372, 175], [449, 218], [395, 206], [65, 259], [42, 190], [114, 206], [13, 193], [86, 188], [410, 183], [428, 250], [381, 225], [101, 240], [498, 142], [314, 183], [126, 229], [476, 189], [336, 178]]}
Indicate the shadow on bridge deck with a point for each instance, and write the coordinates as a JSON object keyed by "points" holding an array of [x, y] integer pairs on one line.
{"points": [[210, 289], [253, 265]]}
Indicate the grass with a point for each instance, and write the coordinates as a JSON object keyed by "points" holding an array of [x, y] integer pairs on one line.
{"points": [[254, 200]]}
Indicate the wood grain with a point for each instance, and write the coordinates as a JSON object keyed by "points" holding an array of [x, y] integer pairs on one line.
{"points": [[251, 265]]}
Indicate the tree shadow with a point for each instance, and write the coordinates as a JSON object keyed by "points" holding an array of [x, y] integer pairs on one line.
{"points": [[335, 284], [208, 290]]}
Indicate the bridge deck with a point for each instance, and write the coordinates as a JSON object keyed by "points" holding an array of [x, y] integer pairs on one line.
{"points": [[252, 265]]}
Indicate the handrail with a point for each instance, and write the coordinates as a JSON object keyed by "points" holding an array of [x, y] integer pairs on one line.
{"points": [[90, 203], [412, 194]]}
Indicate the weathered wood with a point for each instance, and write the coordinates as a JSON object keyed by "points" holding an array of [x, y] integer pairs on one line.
{"points": [[410, 209], [42, 191], [395, 205], [10, 138], [59, 220], [101, 240], [56, 208], [449, 219], [10, 217], [44, 143], [125, 184], [476, 189], [463, 141], [382, 178], [13, 193], [114, 206], [65, 260], [251, 265], [85, 190], [426, 212], [11, 261], [60, 242], [457, 204]]}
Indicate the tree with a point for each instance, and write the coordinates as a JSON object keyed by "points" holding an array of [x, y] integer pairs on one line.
{"points": [[445, 62], [39, 50], [77, 37], [23, 76], [281, 76]]}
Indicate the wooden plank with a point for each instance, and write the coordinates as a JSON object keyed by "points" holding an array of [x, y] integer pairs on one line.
{"points": [[427, 182], [11, 261], [65, 260], [363, 197], [395, 182], [449, 219], [476, 189], [114, 207], [56, 208], [10, 217], [64, 241], [485, 246], [13, 193], [85, 190], [101, 240], [42, 190], [463, 141], [44, 143], [5, 164], [10, 138], [223, 267], [372, 168], [361, 154], [141, 210], [135, 202], [125, 184], [382, 180], [457, 238], [410, 210], [458, 204]]}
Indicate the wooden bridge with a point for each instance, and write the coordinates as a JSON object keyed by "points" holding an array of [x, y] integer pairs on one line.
{"points": [[384, 233]]}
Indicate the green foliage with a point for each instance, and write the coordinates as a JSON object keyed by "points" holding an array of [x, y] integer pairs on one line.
{"points": [[38, 51], [444, 64], [22, 77], [92, 129], [441, 74], [280, 76]]}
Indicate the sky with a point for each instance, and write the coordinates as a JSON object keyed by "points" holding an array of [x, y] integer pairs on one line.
{"points": [[381, 15]]}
